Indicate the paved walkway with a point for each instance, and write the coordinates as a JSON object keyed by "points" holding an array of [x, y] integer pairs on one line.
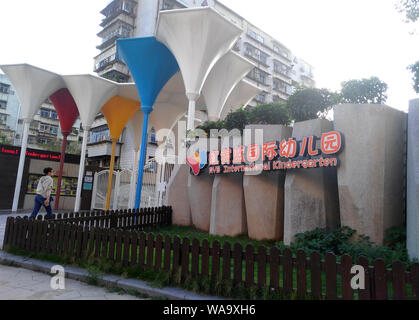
{"points": [[22, 284]]}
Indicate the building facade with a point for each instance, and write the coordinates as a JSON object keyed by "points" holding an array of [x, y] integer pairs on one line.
{"points": [[278, 71]]}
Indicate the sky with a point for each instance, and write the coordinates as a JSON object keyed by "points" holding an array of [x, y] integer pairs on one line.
{"points": [[341, 39]]}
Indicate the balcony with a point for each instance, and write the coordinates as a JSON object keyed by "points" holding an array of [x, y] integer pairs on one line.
{"points": [[256, 55], [118, 30], [116, 8], [102, 65]]}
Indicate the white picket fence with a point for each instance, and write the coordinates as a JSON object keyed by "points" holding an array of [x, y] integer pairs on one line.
{"points": [[156, 177]]}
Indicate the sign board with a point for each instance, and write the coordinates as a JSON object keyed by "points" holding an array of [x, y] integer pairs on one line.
{"points": [[272, 156]]}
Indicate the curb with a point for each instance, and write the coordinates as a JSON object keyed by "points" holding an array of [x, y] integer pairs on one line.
{"points": [[103, 280]]}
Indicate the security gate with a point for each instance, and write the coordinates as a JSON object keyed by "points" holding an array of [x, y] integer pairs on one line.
{"points": [[155, 179]]}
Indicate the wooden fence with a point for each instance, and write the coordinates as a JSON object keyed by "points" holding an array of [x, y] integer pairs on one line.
{"points": [[123, 219], [298, 275]]}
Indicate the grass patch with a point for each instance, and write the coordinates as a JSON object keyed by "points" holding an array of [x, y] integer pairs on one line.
{"points": [[193, 233]]}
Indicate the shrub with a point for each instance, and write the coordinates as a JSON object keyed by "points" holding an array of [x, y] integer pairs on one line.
{"points": [[343, 241]]}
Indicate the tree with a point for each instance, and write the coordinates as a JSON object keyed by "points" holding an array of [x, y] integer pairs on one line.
{"points": [[414, 68], [308, 104], [410, 8], [270, 113], [238, 119], [73, 147], [5, 140], [364, 91]]}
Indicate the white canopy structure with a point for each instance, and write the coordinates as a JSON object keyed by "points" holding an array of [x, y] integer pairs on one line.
{"points": [[241, 96], [198, 38], [90, 93], [33, 86], [225, 75]]}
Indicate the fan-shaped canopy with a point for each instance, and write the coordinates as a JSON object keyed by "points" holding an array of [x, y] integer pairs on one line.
{"points": [[90, 93], [225, 75], [117, 112], [66, 108], [33, 86], [151, 65]]}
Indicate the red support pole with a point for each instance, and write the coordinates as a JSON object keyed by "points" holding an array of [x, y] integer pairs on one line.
{"points": [[60, 175]]}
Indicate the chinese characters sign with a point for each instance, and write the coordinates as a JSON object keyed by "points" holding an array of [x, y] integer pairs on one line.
{"points": [[278, 155]]}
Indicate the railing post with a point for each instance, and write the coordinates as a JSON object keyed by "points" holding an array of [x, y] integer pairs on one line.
{"points": [[114, 220]]}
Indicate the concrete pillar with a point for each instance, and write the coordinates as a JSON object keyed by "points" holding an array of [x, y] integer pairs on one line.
{"points": [[147, 13], [264, 193], [228, 210], [177, 195], [413, 181], [311, 195], [371, 174], [200, 196], [200, 192]]}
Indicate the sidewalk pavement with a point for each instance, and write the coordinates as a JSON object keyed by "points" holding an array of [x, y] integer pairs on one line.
{"points": [[82, 275], [22, 284]]}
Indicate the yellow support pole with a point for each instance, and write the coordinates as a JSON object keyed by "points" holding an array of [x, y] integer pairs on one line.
{"points": [[117, 111], [111, 168]]}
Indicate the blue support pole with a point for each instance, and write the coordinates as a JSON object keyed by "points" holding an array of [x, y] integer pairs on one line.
{"points": [[152, 65], [143, 154]]}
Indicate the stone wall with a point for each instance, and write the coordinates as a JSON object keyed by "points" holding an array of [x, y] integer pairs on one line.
{"points": [[228, 211], [371, 175], [311, 195], [264, 193], [177, 195]]}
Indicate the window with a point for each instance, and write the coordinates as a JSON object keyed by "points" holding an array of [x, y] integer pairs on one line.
{"points": [[43, 141], [255, 36], [258, 75], [153, 136], [281, 51], [256, 54], [46, 128], [127, 7], [3, 104], [282, 68], [54, 115], [4, 88], [45, 113], [282, 86], [118, 30], [100, 135], [261, 98], [279, 85], [3, 118]]}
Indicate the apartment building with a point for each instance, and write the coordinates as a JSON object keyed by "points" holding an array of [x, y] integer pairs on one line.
{"points": [[9, 110], [278, 71]]}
